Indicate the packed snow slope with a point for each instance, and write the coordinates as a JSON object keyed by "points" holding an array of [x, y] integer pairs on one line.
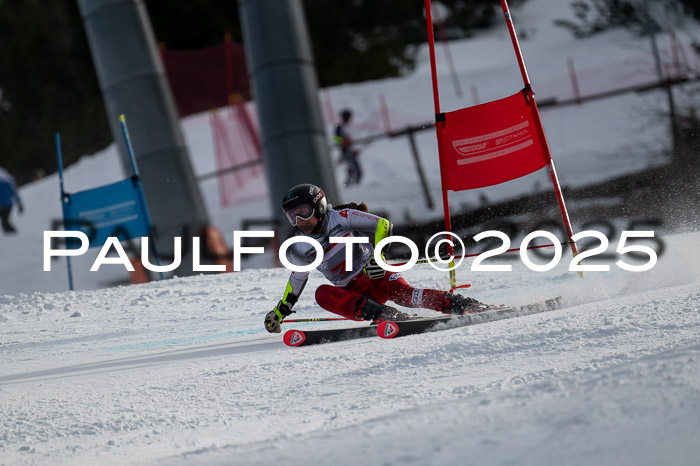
{"points": [[181, 372]]}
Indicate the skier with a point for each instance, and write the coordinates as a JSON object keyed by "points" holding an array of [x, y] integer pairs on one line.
{"points": [[359, 294], [348, 153], [9, 195]]}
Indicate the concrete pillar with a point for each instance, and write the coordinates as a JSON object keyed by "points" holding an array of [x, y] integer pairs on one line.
{"points": [[134, 83], [285, 87]]}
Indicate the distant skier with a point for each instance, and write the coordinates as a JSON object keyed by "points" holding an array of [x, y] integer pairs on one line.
{"points": [[349, 154], [361, 293], [9, 195]]}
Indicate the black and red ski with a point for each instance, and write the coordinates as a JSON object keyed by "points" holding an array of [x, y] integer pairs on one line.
{"points": [[393, 329], [314, 337]]}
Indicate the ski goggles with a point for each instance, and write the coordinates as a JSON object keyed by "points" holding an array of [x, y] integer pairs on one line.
{"points": [[304, 212]]}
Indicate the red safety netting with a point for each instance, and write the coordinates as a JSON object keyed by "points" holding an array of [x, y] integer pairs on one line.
{"points": [[238, 155], [207, 78]]}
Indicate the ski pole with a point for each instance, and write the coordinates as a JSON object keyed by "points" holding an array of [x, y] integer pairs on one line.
{"points": [[435, 259], [317, 319]]}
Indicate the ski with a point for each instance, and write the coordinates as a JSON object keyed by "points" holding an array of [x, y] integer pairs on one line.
{"points": [[314, 337], [393, 329]]}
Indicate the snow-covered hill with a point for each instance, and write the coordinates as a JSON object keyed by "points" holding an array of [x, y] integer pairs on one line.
{"points": [[181, 371]]}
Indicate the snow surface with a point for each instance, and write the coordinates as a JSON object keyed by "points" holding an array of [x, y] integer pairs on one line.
{"points": [[181, 371]]}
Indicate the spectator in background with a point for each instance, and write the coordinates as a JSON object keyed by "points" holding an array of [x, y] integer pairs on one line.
{"points": [[9, 195], [348, 153]]}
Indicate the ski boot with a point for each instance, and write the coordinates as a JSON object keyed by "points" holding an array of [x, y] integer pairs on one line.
{"points": [[367, 309], [460, 305]]}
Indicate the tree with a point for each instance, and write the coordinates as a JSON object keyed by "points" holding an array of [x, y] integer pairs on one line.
{"points": [[647, 17], [352, 41], [48, 85], [594, 16], [363, 40]]}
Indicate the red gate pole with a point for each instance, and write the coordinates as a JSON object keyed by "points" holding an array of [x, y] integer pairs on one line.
{"points": [[439, 126], [530, 96]]}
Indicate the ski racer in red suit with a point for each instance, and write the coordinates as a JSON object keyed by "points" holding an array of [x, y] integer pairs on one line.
{"points": [[361, 293]]}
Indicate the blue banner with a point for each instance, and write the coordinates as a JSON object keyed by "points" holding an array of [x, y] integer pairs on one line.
{"points": [[112, 210]]}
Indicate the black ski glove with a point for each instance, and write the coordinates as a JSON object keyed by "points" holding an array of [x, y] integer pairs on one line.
{"points": [[274, 318], [373, 270]]}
